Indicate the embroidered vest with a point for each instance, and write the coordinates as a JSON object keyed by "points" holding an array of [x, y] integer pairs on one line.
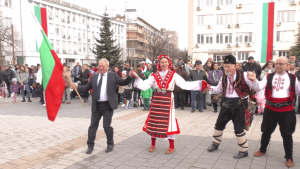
{"points": [[167, 83], [269, 88], [240, 86]]}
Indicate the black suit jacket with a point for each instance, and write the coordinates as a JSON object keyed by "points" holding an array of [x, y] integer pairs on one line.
{"points": [[113, 80]]}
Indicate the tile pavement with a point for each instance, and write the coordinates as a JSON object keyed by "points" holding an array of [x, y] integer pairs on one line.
{"points": [[29, 140]]}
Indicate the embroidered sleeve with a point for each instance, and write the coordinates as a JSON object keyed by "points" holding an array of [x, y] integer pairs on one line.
{"points": [[217, 89], [191, 85], [257, 85], [297, 87], [144, 84]]}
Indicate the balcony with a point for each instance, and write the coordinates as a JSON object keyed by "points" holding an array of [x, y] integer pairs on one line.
{"points": [[136, 38], [135, 30]]}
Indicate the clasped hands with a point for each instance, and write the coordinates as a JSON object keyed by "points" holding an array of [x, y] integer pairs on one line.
{"points": [[251, 76]]}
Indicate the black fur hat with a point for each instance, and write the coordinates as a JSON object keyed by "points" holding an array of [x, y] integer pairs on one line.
{"points": [[229, 59]]}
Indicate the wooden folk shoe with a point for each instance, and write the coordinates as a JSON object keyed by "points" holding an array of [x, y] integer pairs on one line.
{"points": [[170, 151], [259, 154], [151, 149], [289, 163]]}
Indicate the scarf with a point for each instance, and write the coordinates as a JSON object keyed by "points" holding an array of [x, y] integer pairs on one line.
{"points": [[215, 76]]}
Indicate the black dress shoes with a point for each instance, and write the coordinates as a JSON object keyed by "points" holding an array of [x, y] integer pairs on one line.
{"points": [[200, 110], [109, 148], [212, 148], [193, 110], [241, 155], [89, 150]]}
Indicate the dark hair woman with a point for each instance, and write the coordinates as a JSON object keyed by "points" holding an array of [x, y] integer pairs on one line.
{"points": [[269, 67], [84, 79], [213, 79], [117, 70]]}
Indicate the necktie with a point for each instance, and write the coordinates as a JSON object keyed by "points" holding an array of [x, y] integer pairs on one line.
{"points": [[99, 87]]}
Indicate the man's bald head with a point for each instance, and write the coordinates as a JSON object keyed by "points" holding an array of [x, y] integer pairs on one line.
{"points": [[281, 65]]}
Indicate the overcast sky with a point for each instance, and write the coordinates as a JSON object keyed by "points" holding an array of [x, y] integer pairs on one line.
{"points": [[170, 14]]}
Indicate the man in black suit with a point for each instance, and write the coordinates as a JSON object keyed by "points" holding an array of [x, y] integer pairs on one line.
{"points": [[104, 101]]}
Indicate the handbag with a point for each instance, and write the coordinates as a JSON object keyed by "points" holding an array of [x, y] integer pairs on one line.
{"points": [[216, 98]]}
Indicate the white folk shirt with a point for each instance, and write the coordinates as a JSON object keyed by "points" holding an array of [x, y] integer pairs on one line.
{"points": [[103, 93], [280, 85], [180, 82], [219, 89]]}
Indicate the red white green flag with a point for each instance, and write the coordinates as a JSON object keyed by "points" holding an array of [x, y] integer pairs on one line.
{"points": [[52, 70], [41, 16]]}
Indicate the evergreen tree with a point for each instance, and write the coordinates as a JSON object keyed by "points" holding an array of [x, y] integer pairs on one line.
{"points": [[295, 50], [104, 46]]}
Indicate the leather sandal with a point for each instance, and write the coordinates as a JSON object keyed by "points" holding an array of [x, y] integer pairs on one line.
{"points": [[259, 153], [289, 163], [170, 151], [151, 149]]}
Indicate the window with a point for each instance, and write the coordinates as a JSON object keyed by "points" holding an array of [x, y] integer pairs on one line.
{"points": [[285, 36], [243, 56], [68, 17], [63, 16], [224, 19], [79, 33], [286, 16], [84, 47], [205, 3], [79, 47], [224, 38], [83, 34], [283, 53], [205, 38], [50, 11], [69, 46], [224, 2], [8, 3], [244, 18], [83, 20], [64, 45], [205, 19], [57, 45], [74, 33], [75, 46], [51, 28], [52, 42], [57, 29], [63, 30], [69, 31], [243, 37], [56, 12], [74, 17], [79, 18]]}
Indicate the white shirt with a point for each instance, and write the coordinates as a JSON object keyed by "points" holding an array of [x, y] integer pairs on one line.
{"points": [[219, 89], [280, 91], [180, 82], [103, 93]]}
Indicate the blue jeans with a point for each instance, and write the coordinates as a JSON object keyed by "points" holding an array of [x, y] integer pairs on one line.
{"points": [[200, 100], [27, 90]]}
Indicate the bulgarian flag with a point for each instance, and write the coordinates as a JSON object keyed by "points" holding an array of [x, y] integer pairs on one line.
{"points": [[52, 69], [148, 61], [267, 32], [41, 16]]}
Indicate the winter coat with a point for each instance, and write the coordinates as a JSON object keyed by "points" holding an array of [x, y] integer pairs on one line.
{"points": [[8, 74], [265, 72], [67, 76], [146, 94], [211, 80], [14, 88], [31, 79], [185, 76], [127, 94], [254, 67], [23, 76], [1, 77], [75, 72], [123, 88], [194, 75], [187, 68], [84, 77]]}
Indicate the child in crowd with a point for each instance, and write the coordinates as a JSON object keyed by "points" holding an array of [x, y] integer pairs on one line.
{"points": [[14, 88], [2, 90], [127, 96], [261, 101], [146, 95]]}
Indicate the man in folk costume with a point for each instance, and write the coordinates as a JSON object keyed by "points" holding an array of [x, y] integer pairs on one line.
{"points": [[236, 90], [161, 121], [280, 90]]}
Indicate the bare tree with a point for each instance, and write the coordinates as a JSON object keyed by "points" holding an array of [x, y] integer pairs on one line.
{"points": [[6, 38]]}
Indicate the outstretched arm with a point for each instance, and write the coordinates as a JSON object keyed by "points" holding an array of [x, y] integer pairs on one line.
{"points": [[253, 83], [192, 85]]}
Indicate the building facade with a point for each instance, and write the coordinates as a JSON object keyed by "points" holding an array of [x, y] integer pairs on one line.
{"points": [[221, 27], [71, 31]]}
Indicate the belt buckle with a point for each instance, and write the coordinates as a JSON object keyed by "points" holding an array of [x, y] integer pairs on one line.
{"points": [[164, 90], [158, 90]]}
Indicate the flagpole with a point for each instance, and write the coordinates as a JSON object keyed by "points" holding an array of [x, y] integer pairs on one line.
{"points": [[74, 88]]}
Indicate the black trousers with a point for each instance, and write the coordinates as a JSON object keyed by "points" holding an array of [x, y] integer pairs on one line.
{"points": [[8, 87], [188, 96], [103, 109], [287, 124], [179, 99], [236, 113]]}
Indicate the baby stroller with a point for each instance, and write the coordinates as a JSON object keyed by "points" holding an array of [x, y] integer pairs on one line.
{"points": [[2, 90]]}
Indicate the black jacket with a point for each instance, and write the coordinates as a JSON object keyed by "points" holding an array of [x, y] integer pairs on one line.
{"points": [[127, 93], [8, 74], [255, 67], [112, 81], [1, 76], [84, 77]]}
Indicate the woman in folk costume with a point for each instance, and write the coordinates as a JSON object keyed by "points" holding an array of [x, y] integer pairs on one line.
{"points": [[161, 121]]}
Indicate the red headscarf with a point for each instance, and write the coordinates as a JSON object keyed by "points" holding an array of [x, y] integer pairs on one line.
{"points": [[158, 61]]}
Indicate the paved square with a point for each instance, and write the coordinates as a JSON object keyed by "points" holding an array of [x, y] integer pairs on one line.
{"points": [[29, 140]]}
